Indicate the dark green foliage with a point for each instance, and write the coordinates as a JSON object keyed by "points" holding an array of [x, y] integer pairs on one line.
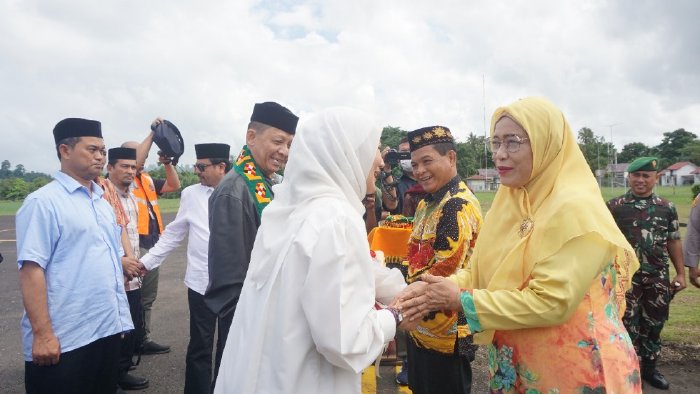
{"points": [[695, 190], [670, 149], [594, 148], [632, 151], [16, 184], [186, 174]]}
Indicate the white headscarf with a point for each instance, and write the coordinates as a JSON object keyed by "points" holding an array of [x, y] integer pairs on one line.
{"points": [[331, 157]]}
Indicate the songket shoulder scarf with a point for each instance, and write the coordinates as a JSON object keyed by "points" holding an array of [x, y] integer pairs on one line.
{"points": [[245, 167]]}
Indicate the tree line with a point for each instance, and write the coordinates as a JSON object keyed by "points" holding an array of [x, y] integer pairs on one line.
{"points": [[677, 145], [18, 183]]}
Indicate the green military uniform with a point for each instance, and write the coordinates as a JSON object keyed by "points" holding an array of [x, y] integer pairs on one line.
{"points": [[648, 223]]}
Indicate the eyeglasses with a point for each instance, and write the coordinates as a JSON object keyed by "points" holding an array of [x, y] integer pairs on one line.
{"points": [[201, 166], [511, 142]]}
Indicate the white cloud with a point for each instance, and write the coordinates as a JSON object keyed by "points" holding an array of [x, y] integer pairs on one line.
{"points": [[203, 65]]}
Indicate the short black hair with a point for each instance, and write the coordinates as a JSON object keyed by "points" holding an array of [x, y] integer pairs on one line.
{"points": [[444, 147], [70, 141], [258, 127], [404, 140], [227, 162]]}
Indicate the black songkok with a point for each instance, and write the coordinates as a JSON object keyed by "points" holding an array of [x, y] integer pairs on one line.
{"points": [[212, 151], [115, 154], [76, 127], [275, 115], [429, 136]]}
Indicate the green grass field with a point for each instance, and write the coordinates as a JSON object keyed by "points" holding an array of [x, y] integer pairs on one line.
{"points": [[169, 205], [684, 321], [9, 207]]}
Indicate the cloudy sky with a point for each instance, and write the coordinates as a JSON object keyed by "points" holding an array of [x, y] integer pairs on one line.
{"points": [[630, 67]]}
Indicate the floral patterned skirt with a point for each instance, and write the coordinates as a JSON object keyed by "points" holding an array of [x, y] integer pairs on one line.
{"points": [[590, 353]]}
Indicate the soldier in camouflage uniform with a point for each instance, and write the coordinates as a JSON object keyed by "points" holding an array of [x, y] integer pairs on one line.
{"points": [[650, 224]]}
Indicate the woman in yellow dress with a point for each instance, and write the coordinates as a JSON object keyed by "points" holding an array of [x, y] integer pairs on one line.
{"points": [[545, 287]]}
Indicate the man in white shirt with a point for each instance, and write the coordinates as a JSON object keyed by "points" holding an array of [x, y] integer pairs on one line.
{"points": [[213, 162]]}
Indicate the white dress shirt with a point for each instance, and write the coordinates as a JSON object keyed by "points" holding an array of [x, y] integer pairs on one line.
{"points": [[192, 219]]}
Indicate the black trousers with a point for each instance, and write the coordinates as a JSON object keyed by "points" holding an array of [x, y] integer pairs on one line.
{"points": [[223, 327], [132, 340], [200, 348], [431, 372], [90, 369]]}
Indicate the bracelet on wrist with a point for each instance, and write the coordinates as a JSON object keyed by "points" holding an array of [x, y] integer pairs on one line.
{"points": [[398, 316]]}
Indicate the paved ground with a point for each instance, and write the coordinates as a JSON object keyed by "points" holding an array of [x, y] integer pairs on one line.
{"points": [[170, 322], [171, 326]]}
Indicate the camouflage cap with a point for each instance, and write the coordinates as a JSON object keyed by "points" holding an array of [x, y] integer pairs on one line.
{"points": [[646, 163]]}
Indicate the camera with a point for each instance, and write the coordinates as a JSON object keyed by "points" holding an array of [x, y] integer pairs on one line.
{"points": [[394, 156]]}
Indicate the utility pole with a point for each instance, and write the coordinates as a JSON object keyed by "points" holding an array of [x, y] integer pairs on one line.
{"points": [[597, 170], [612, 160], [486, 136]]}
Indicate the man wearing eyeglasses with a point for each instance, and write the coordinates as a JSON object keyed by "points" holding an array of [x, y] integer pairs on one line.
{"points": [[446, 225], [192, 220], [235, 208]]}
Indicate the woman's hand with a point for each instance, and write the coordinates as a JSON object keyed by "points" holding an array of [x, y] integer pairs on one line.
{"points": [[432, 293]]}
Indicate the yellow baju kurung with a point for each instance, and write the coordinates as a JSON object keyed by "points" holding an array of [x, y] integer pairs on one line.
{"points": [[545, 287]]}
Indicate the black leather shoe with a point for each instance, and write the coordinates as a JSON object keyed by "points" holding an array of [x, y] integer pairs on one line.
{"points": [[131, 382], [151, 347], [655, 379]]}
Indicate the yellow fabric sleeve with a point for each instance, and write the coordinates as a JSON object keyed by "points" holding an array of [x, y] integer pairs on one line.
{"points": [[555, 289], [462, 278]]}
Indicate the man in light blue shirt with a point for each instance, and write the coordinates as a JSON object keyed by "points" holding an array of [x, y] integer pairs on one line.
{"points": [[70, 269]]}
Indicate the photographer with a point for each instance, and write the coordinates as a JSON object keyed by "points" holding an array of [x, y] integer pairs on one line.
{"points": [[387, 195], [400, 157]]}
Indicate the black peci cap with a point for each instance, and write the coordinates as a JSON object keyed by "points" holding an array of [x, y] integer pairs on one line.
{"points": [[275, 115], [212, 151], [76, 127], [121, 153]]}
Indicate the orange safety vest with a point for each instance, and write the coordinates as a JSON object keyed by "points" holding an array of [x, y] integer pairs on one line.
{"points": [[144, 192]]}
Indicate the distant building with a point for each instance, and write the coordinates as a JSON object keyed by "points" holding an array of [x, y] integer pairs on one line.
{"points": [[616, 172], [681, 173], [484, 180]]}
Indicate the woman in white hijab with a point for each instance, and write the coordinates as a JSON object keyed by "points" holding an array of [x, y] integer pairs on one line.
{"points": [[305, 322]]}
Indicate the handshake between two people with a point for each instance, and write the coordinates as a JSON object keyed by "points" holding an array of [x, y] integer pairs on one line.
{"points": [[133, 267], [431, 293]]}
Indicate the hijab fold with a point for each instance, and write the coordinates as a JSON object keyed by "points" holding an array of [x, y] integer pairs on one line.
{"points": [[560, 202]]}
